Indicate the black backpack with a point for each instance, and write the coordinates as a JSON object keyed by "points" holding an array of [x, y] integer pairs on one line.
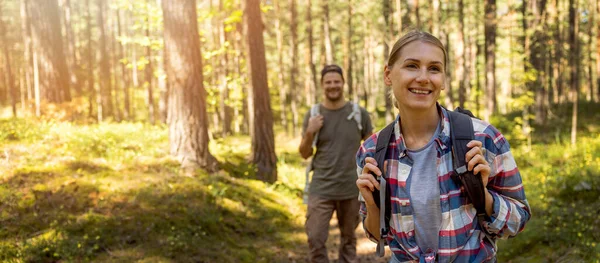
{"points": [[461, 133]]}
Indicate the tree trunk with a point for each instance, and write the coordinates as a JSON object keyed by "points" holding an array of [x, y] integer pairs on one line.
{"points": [[597, 51], [187, 121], [574, 65], [283, 94], [313, 70], [12, 89], [27, 54], [386, 8], [47, 43], [263, 142], [294, 68], [461, 58], [348, 53], [149, 71], [124, 73], [71, 56], [490, 58], [105, 82], [326, 33], [90, 67], [226, 110]]}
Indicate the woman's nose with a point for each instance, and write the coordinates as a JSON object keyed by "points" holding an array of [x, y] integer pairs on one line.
{"points": [[423, 77]]}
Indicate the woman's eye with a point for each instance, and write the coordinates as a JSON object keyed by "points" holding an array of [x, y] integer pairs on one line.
{"points": [[411, 66], [435, 69]]}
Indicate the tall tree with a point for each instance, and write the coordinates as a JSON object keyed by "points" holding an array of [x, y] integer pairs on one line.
{"points": [[187, 118], [597, 51], [294, 66], [261, 118], [574, 65], [283, 93], [71, 56], [27, 53], [12, 89], [348, 51], [149, 69], [309, 31], [105, 108], [327, 34], [490, 57], [53, 74], [126, 78]]}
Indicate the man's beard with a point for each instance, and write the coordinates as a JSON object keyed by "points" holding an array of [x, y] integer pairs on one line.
{"points": [[334, 99]]}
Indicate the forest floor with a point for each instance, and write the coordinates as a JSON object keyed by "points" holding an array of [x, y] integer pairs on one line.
{"points": [[112, 193]]}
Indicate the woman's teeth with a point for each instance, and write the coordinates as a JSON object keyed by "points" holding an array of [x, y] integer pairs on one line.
{"points": [[417, 91]]}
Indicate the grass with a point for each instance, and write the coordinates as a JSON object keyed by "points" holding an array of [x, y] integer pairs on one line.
{"points": [[111, 193]]}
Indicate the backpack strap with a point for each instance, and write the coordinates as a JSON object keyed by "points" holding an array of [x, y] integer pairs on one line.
{"points": [[461, 133], [314, 111], [382, 196], [356, 114]]}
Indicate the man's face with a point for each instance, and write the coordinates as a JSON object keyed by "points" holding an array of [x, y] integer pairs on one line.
{"points": [[333, 86]]}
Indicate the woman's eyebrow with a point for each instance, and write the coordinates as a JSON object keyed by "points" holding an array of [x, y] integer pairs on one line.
{"points": [[416, 60]]}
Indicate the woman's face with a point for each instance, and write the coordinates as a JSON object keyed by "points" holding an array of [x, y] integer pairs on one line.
{"points": [[417, 77]]}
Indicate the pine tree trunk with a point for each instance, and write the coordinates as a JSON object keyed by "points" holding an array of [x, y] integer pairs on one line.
{"points": [[313, 70], [490, 58], [326, 33], [71, 57], [105, 81], [187, 121], [263, 142], [283, 93], [294, 68], [48, 45], [90, 66], [124, 73], [12, 89], [27, 53], [574, 65]]}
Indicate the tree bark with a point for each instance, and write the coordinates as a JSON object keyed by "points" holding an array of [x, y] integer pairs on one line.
{"points": [[12, 89], [124, 73], [294, 67], [313, 70], [48, 45], [149, 70], [71, 56], [90, 66], [187, 120], [27, 52], [263, 142], [574, 65], [326, 33], [283, 94], [490, 58], [105, 81]]}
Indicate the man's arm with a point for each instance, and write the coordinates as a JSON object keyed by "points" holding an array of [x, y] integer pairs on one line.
{"points": [[312, 127], [306, 149]]}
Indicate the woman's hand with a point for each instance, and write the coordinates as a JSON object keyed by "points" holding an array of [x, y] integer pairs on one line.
{"points": [[476, 161], [366, 182]]}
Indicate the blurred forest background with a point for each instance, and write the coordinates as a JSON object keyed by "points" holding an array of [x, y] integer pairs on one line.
{"points": [[167, 131]]}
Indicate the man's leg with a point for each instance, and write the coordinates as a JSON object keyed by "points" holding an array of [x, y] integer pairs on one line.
{"points": [[318, 215], [348, 218]]}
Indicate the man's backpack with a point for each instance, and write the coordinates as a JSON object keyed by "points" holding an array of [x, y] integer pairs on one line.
{"points": [[461, 133], [314, 111]]}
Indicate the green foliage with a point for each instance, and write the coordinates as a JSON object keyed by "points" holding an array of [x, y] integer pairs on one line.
{"points": [[120, 198], [563, 187]]}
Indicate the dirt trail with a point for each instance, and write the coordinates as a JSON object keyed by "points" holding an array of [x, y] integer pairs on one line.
{"points": [[365, 248]]}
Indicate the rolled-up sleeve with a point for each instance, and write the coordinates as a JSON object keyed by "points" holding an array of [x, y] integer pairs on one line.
{"points": [[511, 210], [367, 149]]}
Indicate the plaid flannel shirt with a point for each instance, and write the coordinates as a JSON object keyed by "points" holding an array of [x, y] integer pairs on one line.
{"points": [[461, 238]]}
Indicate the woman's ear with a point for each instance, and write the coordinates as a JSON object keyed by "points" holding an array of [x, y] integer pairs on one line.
{"points": [[386, 75]]}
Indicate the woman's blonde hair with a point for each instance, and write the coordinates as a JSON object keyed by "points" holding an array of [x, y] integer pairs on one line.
{"points": [[412, 36]]}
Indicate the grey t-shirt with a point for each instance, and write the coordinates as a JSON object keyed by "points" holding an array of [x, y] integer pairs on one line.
{"points": [[425, 195], [334, 162]]}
